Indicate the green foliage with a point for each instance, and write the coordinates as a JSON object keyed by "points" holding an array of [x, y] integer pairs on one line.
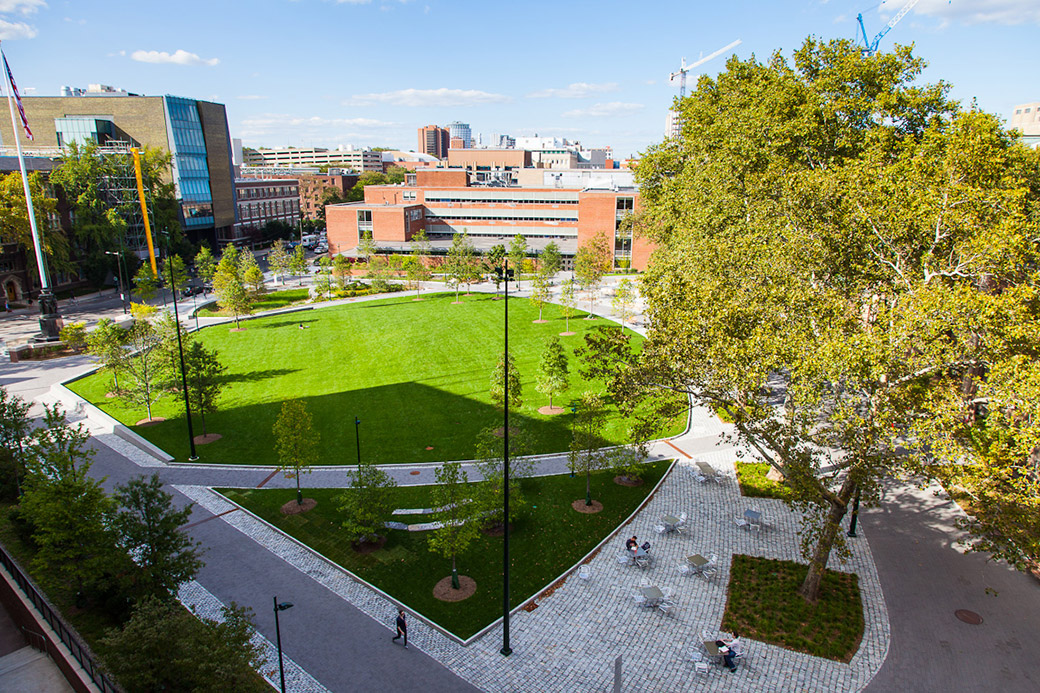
{"points": [[180, 274], [252, 276], [455, 512], [145, 281], [229, 284], [550, 260], [296, 441], [553, 371], [395, 174], [593, 260], [459, 264], [148, 527], [74, 334], [298, 262], [624, 297], [205, 264], [165, 648], [568, 301], [341, 270], [418, 268], [279, 260], [585, 455], [505, 377], [517, 255], [323, 279], [608, 356], [754, 484], [367, 503], [14, 220], [488, 500], [493, 263], [367, 247], [357, 193], [540, 292], [205, 376], [14, 428], [144, 366], [763, 604], [105, 343]]}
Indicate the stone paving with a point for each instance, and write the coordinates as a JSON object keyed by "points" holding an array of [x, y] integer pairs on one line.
{"points": [[569, 642]]}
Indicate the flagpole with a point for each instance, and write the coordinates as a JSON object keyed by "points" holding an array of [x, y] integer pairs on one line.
{"points": [[50, 319]]}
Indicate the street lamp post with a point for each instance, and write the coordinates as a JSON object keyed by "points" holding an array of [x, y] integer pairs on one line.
{"points": [[357, 438], [278, 636], [193, 457], [119, 271], [506, 649]]}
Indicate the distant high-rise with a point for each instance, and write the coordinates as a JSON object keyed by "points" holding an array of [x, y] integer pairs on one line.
{"points": [[434, 141], [460, 133]]}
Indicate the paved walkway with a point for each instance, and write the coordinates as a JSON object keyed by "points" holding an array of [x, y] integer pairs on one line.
{"points": [[570, 640]]}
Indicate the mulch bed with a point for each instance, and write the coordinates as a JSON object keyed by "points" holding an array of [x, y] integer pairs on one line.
{"points": [[628, 481], [539, 322], [443, 589], [497, 530], [237, 329], [550, 411], [208, 438], [568, 334], [150, 422], [580, 506], [294, 508]]}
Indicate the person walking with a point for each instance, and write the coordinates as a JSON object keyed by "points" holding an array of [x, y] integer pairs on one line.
{"points": [[402, 628]]}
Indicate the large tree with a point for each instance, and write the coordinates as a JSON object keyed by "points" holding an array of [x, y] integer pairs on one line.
{"points": [[149, 529], [846, 266], [14, 220], [14, 429]]}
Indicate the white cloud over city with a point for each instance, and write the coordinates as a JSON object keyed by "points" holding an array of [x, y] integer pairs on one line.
{"points": [[310, 130], [24, 7], [414, 98], [16, 30], [605, 110], [577, 90], [178, 57]]}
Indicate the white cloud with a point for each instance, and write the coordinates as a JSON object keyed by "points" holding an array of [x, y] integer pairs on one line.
{"points": [[605, 110], [577, 90], [25, 7], [251, 97], [70, 20], [275, 125], [16, 30], [179, 57], [977, 11], [428, 97], [117, 54]]}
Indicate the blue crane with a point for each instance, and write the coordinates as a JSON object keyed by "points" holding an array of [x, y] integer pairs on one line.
{"points": [[871, 47]]}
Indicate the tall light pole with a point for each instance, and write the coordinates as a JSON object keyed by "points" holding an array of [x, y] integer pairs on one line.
{"points": [[506, 649], [278, 636], [193, 457], [357, 438]]}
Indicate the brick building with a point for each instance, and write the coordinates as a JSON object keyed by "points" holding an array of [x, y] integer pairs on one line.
{"points": [[263, 200], [444, 202], [312, 189], [434, 141]]}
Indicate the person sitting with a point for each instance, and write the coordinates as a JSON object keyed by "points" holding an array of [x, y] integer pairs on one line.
{"points": [[632, 544], [730, 649]]}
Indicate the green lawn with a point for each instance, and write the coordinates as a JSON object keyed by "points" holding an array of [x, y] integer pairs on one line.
{"points": [[271, 301], [415, 372], [763, 604], [753, 482], [546, 540]]}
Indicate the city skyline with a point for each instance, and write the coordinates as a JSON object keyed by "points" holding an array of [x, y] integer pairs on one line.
{"points": [[369, 73]]}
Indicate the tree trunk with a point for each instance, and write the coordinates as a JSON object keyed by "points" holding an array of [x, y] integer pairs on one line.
{"points": [[810, 589], [202, 413], [299, 493], [454, 574], [588, 486]]}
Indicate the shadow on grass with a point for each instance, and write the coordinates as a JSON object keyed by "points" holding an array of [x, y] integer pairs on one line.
{"points": [[256, 376], [398, 423], [288, 323]]}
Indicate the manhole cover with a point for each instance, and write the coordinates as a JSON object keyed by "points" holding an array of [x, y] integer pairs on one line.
{"points": [[415, 473], [968, 616]]}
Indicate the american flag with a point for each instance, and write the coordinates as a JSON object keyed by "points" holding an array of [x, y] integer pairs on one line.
{"points": [[17, 98]]}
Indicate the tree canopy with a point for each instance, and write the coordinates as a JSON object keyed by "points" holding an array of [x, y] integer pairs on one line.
{"points": [[846, 264]]}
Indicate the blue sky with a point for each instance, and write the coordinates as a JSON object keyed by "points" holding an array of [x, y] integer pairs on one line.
{"points": [[369, 73]]}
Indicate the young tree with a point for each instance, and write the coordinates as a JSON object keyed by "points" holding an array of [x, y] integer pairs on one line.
{"points": [[148, 527], [550, 261], [624, 297], [367, 247], [585, 454], [229, 287], [494, 263], [540, 293], [180, 274], [298, 263], [488, 492], [74, 335], [568, 303], [367, 503], [251, 274], [418, 269], [144, 366], [517, 255], [608, 356], [205, 379], [145, 281], [296, 441], [553, 372], [205, 264], [459, 263], [591, 262], [341, 270], [323, 279], [106, 343], [454, 513], [278, 260], [506, 369]]}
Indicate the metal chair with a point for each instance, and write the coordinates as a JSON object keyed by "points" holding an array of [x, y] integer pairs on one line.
{"points": [[585, 572], [625, 558], [666, 607], [699, 665], [684, 568], [660, 529]]}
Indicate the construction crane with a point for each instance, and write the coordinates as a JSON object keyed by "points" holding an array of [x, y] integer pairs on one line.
{"points": [[684, 68], [870, 47]]}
